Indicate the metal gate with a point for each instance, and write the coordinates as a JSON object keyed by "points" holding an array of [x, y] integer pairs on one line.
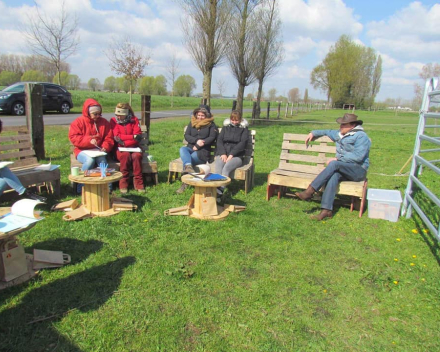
{"points": [[422, 186]]}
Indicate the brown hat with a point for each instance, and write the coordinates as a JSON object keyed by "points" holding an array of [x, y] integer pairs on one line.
{"points": [[349, 118]]}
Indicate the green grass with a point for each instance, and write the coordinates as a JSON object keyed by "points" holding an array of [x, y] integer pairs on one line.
{"points": [[158, 102], [266, 279]]}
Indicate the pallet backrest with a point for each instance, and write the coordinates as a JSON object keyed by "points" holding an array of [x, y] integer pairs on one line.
{"points": [[16, 146], [249, 149], [295, 156]]}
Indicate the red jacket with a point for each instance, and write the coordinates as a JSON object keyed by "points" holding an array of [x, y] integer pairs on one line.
{"points": [[127, 131], [83, 129]]}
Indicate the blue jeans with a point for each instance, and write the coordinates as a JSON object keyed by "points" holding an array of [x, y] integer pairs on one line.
{"points": [[89, 163], [189, 156], [7, 178], [330, 177]]}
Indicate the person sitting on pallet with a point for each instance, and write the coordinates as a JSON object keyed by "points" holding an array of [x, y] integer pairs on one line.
{"points": [[90, 132], [200, 134], [231, 146], [127, 133], [350, 164], [8, 178]]}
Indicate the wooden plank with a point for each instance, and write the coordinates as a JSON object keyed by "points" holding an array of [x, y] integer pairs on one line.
{"points": [[6, 147], [309, 169], [19, 129], [287, 145], [312, 159], [303, 137], [20, 154], [15, 138]]}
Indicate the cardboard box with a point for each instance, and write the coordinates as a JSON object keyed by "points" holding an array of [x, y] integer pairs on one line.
{"points": [[384, 204]]}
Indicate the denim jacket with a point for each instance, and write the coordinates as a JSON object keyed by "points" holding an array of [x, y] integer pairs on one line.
{"points": [[353, 147]]}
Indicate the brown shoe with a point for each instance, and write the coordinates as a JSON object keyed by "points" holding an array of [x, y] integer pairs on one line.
{"points": [[306, 194], [188, 169], [325, 213], [182, 188]]}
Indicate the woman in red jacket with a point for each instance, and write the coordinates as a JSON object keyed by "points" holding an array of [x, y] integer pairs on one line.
{"points": [[127, 133]]}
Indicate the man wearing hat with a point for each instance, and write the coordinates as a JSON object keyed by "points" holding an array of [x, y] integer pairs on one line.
{"points": [[350, 164]]}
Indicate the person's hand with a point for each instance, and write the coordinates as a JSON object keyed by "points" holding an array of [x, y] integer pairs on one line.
{"points": [[104, 150], [137, 137], [200, 142], [229, 158], [94, 142], [224, 158], [330, 160], [119, 141], [309, 139], [195, 148]]}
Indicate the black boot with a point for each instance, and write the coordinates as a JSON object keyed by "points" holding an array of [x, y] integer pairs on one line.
{"points": [[34, 196]]}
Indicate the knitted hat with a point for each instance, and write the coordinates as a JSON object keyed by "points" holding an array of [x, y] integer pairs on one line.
{"points": [[121, 112], [94, 108]]}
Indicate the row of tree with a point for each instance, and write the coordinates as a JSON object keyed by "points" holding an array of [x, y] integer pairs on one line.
{"points": [[245, 33]]}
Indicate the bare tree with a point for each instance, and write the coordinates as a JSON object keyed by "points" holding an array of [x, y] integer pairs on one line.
{"points": [[172, 72], [54, 37], [128, 59], [269, 44], [293, 95], [204, 28], [242, 53], [221, 86], [429, 70]]}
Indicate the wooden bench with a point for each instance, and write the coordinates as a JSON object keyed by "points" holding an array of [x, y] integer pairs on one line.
{"points": [[149, 168], [244, 173], [16, 146], [299, 166]]}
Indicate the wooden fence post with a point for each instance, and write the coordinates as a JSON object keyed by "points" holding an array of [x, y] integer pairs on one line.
{"points": [[278, 110], [287, 109], [146, 112], [268, 110], [254, 110], [34, 117]]}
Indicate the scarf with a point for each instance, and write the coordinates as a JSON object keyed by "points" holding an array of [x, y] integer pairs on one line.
{"points": [[198, 124]]}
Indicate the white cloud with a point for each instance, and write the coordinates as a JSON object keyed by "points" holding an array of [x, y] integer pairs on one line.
{"points": [[326, 19], [411, 33]]}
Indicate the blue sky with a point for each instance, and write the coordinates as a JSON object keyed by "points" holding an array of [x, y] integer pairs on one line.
{"points": [[404, 33]]}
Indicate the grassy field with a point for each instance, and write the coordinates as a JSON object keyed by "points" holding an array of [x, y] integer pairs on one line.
{"points": [[266, 279], [158, 102]]}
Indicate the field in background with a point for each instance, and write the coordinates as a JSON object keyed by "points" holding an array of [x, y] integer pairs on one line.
{"points": [[266, 279]]}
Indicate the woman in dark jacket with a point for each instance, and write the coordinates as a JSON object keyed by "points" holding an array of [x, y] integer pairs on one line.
{"points": [[231, 145], [200, 134]]}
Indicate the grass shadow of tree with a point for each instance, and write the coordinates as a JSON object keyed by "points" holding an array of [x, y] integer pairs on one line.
{"points": [[28, 326]]}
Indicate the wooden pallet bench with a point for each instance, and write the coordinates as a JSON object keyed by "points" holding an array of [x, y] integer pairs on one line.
{"points": [[149, 168], [243, 173], [16, 146], [299, 166]]}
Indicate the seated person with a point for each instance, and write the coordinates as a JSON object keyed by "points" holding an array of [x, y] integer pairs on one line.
{"points": [[350, 164], [200, 135], [127, 133], [231, 145], [7, 178], [90, 132]]}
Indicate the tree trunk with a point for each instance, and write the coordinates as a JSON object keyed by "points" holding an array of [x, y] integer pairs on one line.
{"points": [[260, 90], [240, 95], [130, 91], [207, 78]]}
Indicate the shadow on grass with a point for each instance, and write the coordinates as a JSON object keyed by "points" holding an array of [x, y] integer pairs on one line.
{"points": [[29, 325]]}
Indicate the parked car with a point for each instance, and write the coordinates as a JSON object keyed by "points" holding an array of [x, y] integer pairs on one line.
{"points": [[55, 97]]}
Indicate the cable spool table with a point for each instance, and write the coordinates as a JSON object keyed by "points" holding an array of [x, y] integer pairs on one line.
{"points": [[203, 203], [95, 194]]}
